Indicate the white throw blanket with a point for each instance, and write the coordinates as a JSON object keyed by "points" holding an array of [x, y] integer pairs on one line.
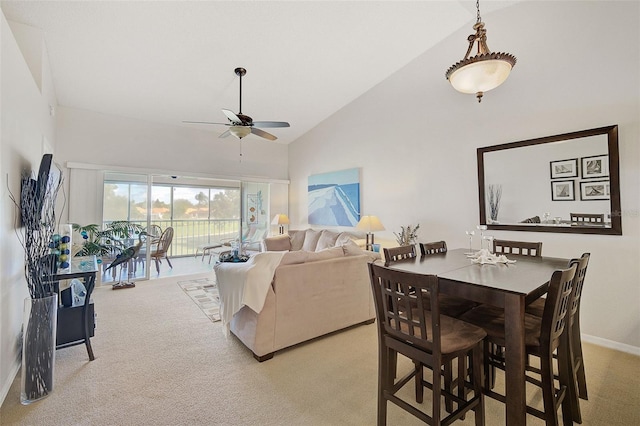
{"points": [[245, 284]]}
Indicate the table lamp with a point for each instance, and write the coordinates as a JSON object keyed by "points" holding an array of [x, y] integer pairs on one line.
{"points": [[369, 224], [280, 219]]}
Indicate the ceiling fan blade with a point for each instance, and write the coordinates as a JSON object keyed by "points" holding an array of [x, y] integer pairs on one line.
{"points": [[225, 134], [271, 124], [205, 122], [231, 116], [263, 134]]}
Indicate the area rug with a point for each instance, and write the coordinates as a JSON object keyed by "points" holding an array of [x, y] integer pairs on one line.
{"points": [[204, 292]]}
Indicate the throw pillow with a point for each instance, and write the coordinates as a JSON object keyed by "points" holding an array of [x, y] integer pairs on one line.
{"points": [[311, 240], [327, 239], [351, 248], [297, 239], [329, 253], [278, 243]]}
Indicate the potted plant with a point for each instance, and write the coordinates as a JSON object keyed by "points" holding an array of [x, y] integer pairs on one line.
{"points": [[408, 235], [107, 242]]}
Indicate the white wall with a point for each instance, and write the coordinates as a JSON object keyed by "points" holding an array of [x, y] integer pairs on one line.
{"points": [[415, 139], [26, 131]]}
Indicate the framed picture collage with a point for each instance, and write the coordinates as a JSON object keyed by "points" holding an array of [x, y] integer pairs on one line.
{"points": [[593, 173]]}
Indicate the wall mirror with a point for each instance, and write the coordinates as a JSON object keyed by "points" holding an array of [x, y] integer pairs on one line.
{"points": [[565, 183]]}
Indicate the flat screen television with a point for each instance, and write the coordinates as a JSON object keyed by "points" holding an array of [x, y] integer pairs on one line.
{"points": [[33, 193]]}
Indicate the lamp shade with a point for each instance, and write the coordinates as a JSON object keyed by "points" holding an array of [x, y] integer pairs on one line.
{"points": [[280, 219], [240, 131], [480, 76], [370, 224]]}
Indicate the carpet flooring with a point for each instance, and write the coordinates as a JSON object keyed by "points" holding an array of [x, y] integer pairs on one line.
{"points": [[204, 292]]}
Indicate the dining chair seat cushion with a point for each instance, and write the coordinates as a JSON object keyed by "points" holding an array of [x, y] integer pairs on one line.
{"points": [[536, 307], [455, 335], [491, 319]]}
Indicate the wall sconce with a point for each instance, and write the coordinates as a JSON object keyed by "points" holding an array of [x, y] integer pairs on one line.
{"points": [[280, 219], [369, 224]]}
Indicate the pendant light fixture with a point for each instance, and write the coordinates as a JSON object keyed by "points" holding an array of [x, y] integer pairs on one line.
{"points": [[483, 72]]}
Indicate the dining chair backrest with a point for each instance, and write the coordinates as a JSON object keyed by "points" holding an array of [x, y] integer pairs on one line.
{"points": [[165, 241], [433, 247], [154, 232], [524, 248], [587, 218], [393, 291], [556, 308], [395, 254], [581, 272]]}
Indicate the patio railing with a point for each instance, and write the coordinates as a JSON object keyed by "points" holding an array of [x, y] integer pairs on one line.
{"points": [[190, 233]]}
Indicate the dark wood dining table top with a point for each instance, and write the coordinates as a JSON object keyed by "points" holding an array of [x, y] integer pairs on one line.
{"points": [[524, 277]]}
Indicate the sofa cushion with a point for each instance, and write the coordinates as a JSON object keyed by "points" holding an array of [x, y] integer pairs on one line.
{"points": [[294, 257], [297, 239], [327, 239], [311, 240], [329, 253], [278, 243]]}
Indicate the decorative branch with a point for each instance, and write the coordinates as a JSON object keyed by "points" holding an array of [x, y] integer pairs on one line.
{"points": [[407, 236], [495, 194]]}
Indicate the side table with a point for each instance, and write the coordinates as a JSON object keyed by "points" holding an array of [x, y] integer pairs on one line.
{"points": [[85, 268]]}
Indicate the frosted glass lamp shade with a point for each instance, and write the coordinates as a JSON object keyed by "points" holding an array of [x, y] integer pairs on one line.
{"points": [[480, 76], [240, 131]]}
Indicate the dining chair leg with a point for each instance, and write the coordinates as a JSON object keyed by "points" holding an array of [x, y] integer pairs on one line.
{"points": [[436, 394], [548, 391], [386, 375], [157, 265], [169, 262], [418, 382], [578, 359], [477, 366]]}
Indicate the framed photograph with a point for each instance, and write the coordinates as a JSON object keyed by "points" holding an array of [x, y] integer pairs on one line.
{"points": [[564, 168], [595, 190], [562, 190], [595, 167]]}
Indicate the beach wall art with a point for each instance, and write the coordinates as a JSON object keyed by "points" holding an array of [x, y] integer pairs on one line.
{"points": [[334, 198]]}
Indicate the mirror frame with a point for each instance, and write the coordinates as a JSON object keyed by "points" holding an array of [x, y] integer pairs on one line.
{"points": [[614, 180]]}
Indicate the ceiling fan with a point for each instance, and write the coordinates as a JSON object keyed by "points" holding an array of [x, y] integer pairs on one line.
{"points": [[241, 125]]}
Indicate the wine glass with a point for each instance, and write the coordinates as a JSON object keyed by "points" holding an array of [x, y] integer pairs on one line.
{"points": [[470, 234], [481, 228]]}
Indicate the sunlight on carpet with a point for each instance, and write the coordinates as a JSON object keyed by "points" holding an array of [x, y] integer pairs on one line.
{"points": [[204, 292]]}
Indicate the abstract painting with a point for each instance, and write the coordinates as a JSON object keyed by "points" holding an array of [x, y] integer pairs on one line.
{"points": [[334, 198]]}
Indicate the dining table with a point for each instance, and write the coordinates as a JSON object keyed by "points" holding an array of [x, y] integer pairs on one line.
{"points": [[511, 286]]}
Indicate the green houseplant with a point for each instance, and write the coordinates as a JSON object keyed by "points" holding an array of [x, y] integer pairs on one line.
{"points": [[109, 241]]}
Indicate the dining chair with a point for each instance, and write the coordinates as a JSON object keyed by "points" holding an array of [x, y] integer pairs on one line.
{"points": [[395, 254], [451, 306], [427, 338], [543, 336], [524, 248], [587, 218], [433, 248], [578, 388], [161, 250]]}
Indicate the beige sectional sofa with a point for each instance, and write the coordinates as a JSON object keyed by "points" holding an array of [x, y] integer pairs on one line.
{"points": [[320, 286]]}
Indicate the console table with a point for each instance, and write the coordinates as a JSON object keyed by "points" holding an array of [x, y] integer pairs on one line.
{"points": [[76, 323]]}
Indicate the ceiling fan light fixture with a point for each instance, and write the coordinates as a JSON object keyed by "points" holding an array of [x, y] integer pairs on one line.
{"points": [[239, 131], [483, 72]]}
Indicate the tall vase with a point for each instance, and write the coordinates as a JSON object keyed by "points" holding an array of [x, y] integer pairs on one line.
{"points": [[38, 348]]}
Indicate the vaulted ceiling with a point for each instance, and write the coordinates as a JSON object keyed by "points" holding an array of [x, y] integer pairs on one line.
{"points": [[169, 61]]}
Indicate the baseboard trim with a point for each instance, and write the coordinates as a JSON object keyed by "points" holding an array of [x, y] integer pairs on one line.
{"points": [[622, 347], [10, 378]]}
